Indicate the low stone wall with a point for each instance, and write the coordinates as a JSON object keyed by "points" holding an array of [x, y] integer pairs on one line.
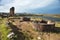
{"points": [[26, 19], [45, 27]]}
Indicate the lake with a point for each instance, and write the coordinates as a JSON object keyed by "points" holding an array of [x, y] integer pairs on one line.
{"points": [[47, 18]]}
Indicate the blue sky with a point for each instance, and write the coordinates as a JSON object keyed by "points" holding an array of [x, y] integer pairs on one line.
{"points": [[31, 6]]}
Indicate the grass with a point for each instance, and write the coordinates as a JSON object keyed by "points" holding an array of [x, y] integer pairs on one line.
{"points": [[57, 24], [3, 30], [25, 27], [36, 19]]}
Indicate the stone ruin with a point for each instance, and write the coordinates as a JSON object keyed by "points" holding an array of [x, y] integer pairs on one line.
{"points": [[12, 9], [26, 19], [45, 26]]}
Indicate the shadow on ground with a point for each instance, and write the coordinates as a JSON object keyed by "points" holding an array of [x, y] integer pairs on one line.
{"points": [[57, 29], [54, 30], [20, 35]]}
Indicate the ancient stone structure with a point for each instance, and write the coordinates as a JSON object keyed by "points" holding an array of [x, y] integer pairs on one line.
{"points": [[46, 26], [43, 21], [12, 9], [26, 19]]}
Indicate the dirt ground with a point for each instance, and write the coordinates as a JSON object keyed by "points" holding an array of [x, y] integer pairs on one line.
{"points": [[28, 27]]}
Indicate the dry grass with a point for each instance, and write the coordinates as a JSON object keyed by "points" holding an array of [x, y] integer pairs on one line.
{"points": [[57, 24], [27, 27]]}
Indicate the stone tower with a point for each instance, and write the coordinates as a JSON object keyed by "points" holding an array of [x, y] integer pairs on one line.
{"points": [[12, 9]]}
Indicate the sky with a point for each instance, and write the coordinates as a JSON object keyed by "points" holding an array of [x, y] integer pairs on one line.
{"points": [[31, 6]]}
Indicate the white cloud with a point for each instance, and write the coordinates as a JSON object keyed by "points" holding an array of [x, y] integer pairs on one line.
{"points": [[24, 5]]}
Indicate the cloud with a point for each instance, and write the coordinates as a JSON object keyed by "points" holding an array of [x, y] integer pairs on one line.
{"points": [[24, 5]]}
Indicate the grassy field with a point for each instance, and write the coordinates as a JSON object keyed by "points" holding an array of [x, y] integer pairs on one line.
{"points": [[3, 30], [27, 30]]}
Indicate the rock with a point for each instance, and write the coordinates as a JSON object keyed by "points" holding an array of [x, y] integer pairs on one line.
{"points": [[39, 38], [10, 35]]}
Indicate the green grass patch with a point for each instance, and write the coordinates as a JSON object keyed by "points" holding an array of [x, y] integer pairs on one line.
{"points": [[3, 30]]}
